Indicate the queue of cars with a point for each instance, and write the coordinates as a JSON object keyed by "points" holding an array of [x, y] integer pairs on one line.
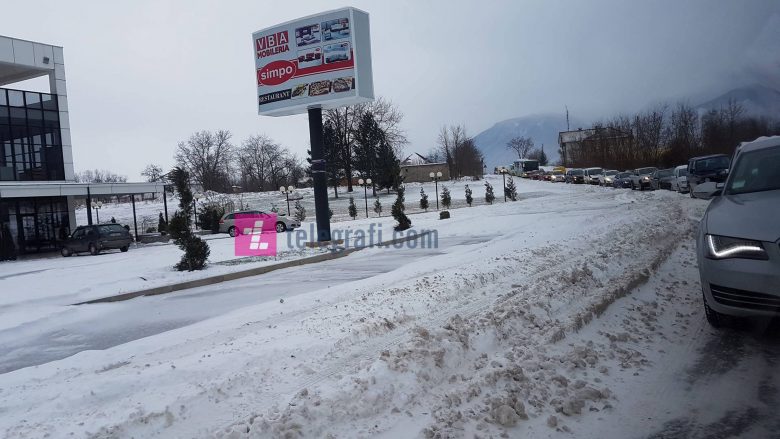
{"points": [[738, 240], [682, 179]]}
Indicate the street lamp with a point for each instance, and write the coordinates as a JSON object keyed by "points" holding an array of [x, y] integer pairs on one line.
{"points": [[365, 185], [196, 197], [503, 174], [97, 205], [286, 191], [435, 177]]}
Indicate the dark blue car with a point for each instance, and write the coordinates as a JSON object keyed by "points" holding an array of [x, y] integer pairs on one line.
{"points": [[622, 180]]}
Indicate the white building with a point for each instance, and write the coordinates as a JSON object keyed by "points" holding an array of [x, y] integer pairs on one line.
{"points": [[38, 192]]}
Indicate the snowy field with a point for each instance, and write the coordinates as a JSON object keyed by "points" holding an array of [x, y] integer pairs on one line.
{"points": [[573, 312]]}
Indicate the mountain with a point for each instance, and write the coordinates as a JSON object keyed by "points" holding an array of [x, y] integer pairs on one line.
{"points": [[756, 100], [542, 128]]}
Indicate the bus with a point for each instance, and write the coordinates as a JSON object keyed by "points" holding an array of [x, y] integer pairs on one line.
{"points": [[519, 167]]}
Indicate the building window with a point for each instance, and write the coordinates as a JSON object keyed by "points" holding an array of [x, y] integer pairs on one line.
{"points": [[30, 141]]}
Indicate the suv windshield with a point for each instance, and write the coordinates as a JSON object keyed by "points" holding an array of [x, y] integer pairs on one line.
{"points": [[576, 172], [756, 171], [664, 173], [644, 171], [711, 164], [595, 171], [608, 173]]}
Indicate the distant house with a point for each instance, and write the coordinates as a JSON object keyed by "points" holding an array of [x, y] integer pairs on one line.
{"points": [[416, 169]]}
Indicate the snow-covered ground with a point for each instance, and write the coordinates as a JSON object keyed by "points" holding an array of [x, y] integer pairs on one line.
{"points": [[573, 312]]}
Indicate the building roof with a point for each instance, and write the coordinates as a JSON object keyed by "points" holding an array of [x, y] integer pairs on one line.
{"points": [[22, 59], [20, 189], [415, 159]]}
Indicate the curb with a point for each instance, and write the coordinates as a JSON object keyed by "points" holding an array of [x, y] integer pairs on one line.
{"points": [[166, 289]]}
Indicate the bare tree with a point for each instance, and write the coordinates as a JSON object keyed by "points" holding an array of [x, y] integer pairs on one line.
{"points": [[153, 173], [100, 176], [207, 156], [521, 145]]}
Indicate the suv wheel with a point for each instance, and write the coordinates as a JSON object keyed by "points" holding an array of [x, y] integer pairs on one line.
{"points": [[232, 231], [280, 227], [65, 252], [124, 249], [93, 249]]}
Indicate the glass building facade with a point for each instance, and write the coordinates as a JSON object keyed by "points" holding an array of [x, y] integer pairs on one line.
{"points": [[30, 143], [30, 150]]}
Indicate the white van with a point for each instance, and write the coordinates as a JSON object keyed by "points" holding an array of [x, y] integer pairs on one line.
{"points": [[679, 179]]}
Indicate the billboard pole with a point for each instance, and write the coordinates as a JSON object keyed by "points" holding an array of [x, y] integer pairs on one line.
{"points": [[319, 174]]}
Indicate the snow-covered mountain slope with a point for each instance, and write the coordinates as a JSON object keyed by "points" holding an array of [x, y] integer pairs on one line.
{"points": [[543, 128]]}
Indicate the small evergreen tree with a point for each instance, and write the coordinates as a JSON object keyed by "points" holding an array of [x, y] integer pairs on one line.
{"points": [[423, 200], [489, 195], [511, 190], [352, 208], [398, 212], [377, 207], [330, 213], [300, 211], [162, 226], [274, 209], [469, 198], [113, 220], [196, 251], [446, 198]]}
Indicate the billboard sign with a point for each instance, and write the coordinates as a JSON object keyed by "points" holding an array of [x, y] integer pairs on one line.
{"points": [[323, 60]]}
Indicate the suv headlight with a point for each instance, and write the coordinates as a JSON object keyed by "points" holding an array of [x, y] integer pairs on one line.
{"points": [[723, 247]]}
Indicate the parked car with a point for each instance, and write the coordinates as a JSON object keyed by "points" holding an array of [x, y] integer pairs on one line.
{"points": [[661, 179], [679, 179], [607, 177], [622, 180], [592, 175], [737, 245], [575, 176], [707, 168], [642, 178], [556, 176], [538, 175], [228, 222], [96, 238]]}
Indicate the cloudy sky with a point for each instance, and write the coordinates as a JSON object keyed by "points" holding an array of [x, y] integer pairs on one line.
{"points": [[145, 75]]}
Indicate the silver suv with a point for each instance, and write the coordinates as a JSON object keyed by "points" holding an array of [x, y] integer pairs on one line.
{"points": [[227, 224], [738, 246]]}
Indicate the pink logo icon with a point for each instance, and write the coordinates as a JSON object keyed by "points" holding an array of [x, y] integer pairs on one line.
{"points": [[255, 234]]}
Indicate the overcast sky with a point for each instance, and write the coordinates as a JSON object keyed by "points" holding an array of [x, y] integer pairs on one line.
{"points": [[145, 75]]}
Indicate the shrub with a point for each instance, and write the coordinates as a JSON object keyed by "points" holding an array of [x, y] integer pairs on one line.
{"points": [[489, 195], [377, 207], [511, 190], [196, 252], [209, 216], [352, 208], [469, 198], [444, 214], [300, 212], [398, 212], [446, 198], [423, 200]]}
